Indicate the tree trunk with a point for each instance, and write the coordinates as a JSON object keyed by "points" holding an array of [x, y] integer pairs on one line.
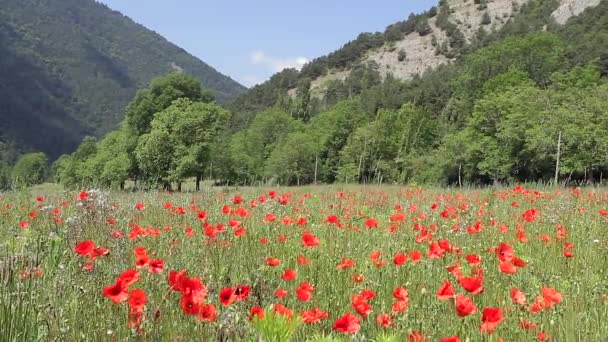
{"points": [[179, 186], [122, 186], [198, 182]]}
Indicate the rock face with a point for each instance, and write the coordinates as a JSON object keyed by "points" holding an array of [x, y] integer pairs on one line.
{"points": [[420, 51], [570, 8]]}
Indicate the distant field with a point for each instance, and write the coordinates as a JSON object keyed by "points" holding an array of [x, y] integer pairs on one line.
{"points": [[313, 263]]}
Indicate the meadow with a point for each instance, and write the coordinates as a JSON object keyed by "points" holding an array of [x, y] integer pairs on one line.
{"points": [[319, 263]]}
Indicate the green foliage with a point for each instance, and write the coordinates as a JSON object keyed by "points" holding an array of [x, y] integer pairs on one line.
{"points": [[178, 146], [158, 96], [5, 176], [31, 168], [275, 327], [69, 68]]}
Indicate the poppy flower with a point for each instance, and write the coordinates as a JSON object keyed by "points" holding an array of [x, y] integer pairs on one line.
{"points": [[473, 259], [446, 291], [371, 223], [384, 320], [550, 295], [117, 292], [400, 306], [517, 296], [400, 293], [450, 339], [399, 259], [302, 260], [346, 263], [156, 266], [464, 305], [280, 293], [507, 267], [272, 262], [472, 285], [304, 291], [309, 240], [242, 292], [313, 316], [490, 318], [85, 248], [208, 313], [137, 299], [282, 310], [227, 296], [128, 278], [289, 274], [256, 311], [348, 323]]}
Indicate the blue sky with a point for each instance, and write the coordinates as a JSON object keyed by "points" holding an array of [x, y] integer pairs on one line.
{"points": [[250, 40]]}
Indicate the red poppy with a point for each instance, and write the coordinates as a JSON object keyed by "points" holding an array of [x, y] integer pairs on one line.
{"points": [[242, 292], [156, 266], [256, 311], [128, 278], [309, 240], [551, 296], [450, 339], [348, 323], [490, 318], [137, 299], [473, 259], [304, 291], [117, 292], [280, 293], [85, 248], [400, 259], [446, 291], [227, 296], [282, 310], [517, 296], [208, 313], [289, 274], [400, 293], [472, 285], [272, 262], [507, 267], [464, 305], [384, 320], [371, 223], [505, 252], [302, 260], [314, 316], [346, 263]]}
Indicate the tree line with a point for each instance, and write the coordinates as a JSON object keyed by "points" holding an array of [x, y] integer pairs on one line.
{"points": [[499, 113]]}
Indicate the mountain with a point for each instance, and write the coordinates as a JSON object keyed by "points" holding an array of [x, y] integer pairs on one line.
{"points": [[68, 68], [408, 49]]}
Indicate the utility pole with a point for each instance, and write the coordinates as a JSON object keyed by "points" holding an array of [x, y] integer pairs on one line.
{"points": [[559, 146]]}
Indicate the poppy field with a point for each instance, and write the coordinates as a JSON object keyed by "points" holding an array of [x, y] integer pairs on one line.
{"points": [[306, 264]]}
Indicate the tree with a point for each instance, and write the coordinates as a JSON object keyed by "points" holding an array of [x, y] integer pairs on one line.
{"points": [[293, 161], [159, 96], [31, 168], [178, 145], [5, 176]]}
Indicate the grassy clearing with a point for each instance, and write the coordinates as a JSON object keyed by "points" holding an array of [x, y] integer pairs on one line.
{"points": [[49, 292]]}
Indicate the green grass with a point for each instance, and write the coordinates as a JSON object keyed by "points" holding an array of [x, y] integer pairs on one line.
{"points": [[65, 302]]}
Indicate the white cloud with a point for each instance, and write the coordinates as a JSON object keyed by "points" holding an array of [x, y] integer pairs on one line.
{"points": [[277, 64]]}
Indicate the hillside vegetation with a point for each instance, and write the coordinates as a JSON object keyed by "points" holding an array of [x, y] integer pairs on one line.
{"points": [[510, 104], [70, 67]]}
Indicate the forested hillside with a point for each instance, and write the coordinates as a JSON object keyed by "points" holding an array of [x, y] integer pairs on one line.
{"points": [[68, 68], [498, 112]]}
